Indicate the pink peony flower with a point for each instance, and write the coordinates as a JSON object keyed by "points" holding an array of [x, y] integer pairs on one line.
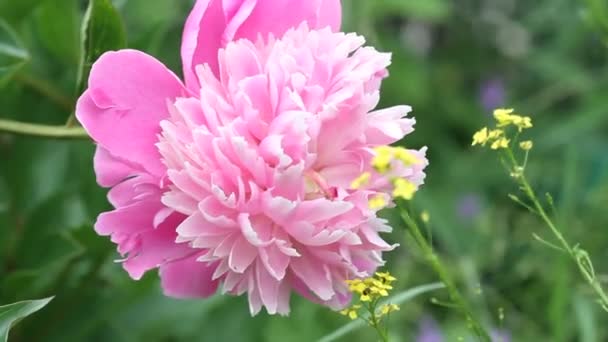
{"points": [[241, 177]]}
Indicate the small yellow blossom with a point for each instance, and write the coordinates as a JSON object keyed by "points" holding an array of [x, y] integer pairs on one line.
{"points": [[377, 202], [382, 160], [372, 288], [500, 143], [356, 286], [385, 277], [495, 134], [505, 117], [352, 312], [366, 296], [425, 216], [404, 189], [360, 181], [378, 288], [526, 145], [522, 122], [405, 156], [387, 309], [480, 137]]}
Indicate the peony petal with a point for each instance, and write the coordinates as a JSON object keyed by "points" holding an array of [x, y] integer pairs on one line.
{"points": [[275, 261], [212, 24], [202, 38], [387, 126], [124, 104], [156, 246], [132, 219], [314, 275], [109, 169], [278, 16], [268, 288], [242, 255], [187, 278]]}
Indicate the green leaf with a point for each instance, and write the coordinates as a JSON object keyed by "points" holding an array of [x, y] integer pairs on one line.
{"points": [[399, 298], [12, 53], [14, 11], [12, 313], [59, 36], [102, 30]]}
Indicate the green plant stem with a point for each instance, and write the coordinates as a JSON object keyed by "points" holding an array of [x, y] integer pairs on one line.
{"points": [[444, 275], [71, 122], [572, 252], [375, 322], [47, 131]]}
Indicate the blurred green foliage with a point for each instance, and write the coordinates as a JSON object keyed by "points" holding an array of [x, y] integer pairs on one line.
{"points": [[452, 61]]}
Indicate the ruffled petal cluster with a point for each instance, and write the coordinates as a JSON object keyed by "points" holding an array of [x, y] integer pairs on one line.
{"points": [[241, 177]]}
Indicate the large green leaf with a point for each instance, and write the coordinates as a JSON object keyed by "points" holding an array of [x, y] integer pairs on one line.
{"points": [[14, 11], [60, 37], [102, 30], [12, 53], [12, 313]]}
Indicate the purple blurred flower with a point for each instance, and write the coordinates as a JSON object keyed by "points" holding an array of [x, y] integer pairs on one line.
{"points": [[492, 94], [501, 335], [429, 331], [468, 206]]}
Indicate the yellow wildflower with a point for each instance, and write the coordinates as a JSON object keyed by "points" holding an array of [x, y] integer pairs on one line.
{"points": [[388, 308], [378, 288], [526, 145], [366, 296], [505, 117], [495, 134], [377, 202], [356, 286], [404, 189], [352, 312], [480, 137], [425, 216], [405, 156], [360, 181], [385, 277], [382, 160], [500, 143], [522, 122]]}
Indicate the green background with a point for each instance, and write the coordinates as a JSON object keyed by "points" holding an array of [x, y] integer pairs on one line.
{"points": [[452, 61]]}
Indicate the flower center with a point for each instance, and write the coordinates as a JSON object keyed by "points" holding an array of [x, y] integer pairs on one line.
{"points": [[317, 187]]}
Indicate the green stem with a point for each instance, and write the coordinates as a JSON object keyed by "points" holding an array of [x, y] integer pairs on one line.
{"points": [[444, 275], [375, 322], [572, 252], [47, 131]]}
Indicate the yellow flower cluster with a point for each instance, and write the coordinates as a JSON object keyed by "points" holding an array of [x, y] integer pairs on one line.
{"points": [[497, 137], [352, 312], [387, 309], [505, 117], [372, 288], [404, 189], [385, 155], [526, 145], [377, 202], [360, 181]]}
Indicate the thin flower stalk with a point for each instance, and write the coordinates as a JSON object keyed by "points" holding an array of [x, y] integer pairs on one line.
{"points": [[505, 120]]}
